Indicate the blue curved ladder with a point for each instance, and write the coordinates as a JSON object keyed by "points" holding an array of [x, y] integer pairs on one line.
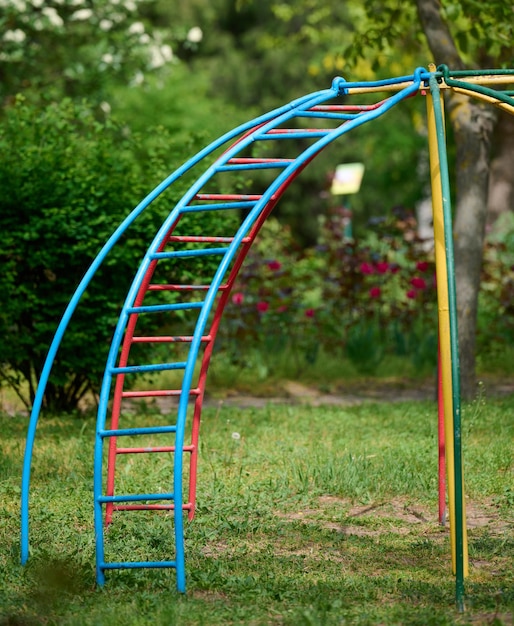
{"points": [[298, 132]]}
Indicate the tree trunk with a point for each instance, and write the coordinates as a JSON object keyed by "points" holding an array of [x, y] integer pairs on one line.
{"points": [[501, 183], [473, 126]]}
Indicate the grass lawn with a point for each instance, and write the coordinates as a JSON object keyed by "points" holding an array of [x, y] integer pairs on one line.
{"points": [[312, 516]]}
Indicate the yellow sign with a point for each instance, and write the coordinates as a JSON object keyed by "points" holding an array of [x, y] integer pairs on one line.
{"points": [[347, 179]]}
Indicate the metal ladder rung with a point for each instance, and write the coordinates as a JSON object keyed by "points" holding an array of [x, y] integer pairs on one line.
{"points": [[132, 432], [150, 507], [179, 254], [217, 207], [160, 393], [155, 287], [228, 196], [332, 115], [170, 339], [152, 449], [270, 160], [136, 497], [296, 133], [137, 564], [251, 164], [156, 308], [200, 239], [157, 367], [346, 107]]}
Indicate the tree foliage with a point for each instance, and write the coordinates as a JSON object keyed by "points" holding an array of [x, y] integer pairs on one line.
{"points": [[75, 48]]}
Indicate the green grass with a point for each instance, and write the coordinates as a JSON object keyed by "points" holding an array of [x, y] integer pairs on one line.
{"points": [[314, 516]]}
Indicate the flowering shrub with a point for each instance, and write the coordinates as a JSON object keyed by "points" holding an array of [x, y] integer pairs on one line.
{"points": [[363, 298], [343, 295]]}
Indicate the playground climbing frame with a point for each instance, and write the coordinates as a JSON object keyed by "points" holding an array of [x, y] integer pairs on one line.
{"points": [[272, 149]]}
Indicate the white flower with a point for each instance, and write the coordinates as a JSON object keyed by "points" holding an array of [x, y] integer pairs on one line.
{"points": [[105, 25], [75, 3], [167, 52], [195, 35], [19, 5], [82, 14], [53, 17], [37, 3], [236, 436], [16, 36], [137, 28], [108, 58], [144, 39], [106, 107], [138, 79], [156, 59], [130, 5]]}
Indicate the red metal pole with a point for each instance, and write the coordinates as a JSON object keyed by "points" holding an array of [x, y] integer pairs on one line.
{"points": [[442, 465]]}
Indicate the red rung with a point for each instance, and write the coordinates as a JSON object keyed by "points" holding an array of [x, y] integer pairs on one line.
{"points": [[158, 393], [227, 196], [150, 507], [171, 287], [290, 131], [169, 339], [245, 160], [199, 239]]}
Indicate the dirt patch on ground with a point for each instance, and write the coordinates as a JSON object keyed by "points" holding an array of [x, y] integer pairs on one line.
{"points": [[355, 392], [397, 515]]}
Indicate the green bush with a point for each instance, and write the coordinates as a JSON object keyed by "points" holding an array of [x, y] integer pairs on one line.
{"points": [[67, 181]]}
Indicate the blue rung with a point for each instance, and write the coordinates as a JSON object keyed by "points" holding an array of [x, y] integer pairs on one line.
{"points": [[329, 115], [157, 308], [156, 367], [143, 430], [172, 254], [137, 497], [254, 166], [138, 564], [191, 208]]}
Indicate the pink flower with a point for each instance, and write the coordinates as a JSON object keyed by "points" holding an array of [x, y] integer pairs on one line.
{"points": [[375, 292], [418, 283], [411, 294], [309, 313], [422, 266], [262, 306], [282, 308], [394, 269], [366, 268], [274, 265], [382, 267], [238, 298]]}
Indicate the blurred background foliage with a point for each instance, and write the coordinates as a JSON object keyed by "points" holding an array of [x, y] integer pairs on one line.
{"points": [[153, 81]]}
